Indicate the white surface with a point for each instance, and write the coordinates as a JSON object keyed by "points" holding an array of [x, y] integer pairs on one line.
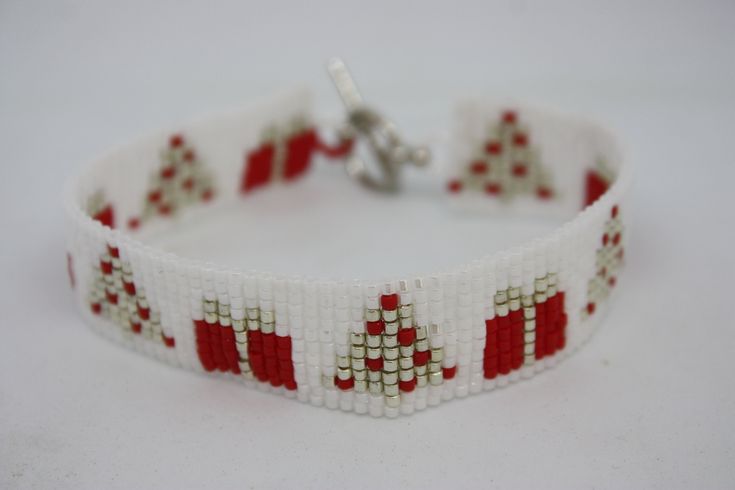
{"points": [[648, 403]]}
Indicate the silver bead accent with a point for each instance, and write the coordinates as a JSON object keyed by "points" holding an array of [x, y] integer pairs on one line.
{"points": [[501, 309], [373, 353], [435, 366], [406, 374], [223, 309], [344, 373], [514, 304], [437, 355], [358, 363], [374, 375], [391, 390], [358, 338], [501, 297], [390, 365], [358, 351], [343, 361], [359, 374], [407, 322], [390, 378], [420, 332], [372, 315], [253, 325], [267, 317], [210, 317], [406, 350], [421, 380], [375, 387], [436, 378], [405, 362], [241, 337], [421, 370], [422, 345], [405, 311], [529, 312], [253, 313], [529, 349], [514, 293], [360, 386], [529, 336], [390, 353], [374, 340], [210, 307], [390, 341], [393, 401], [390, 315], [267, 327], [529, 325], [238, 325], [391, 328]]}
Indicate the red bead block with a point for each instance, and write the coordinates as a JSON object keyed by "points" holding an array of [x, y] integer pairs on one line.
{"points": [[96, 308], [374, 364], [509, 117], [106, 267], [258, 167], [129, 288], [420, 358], [344, 384], [375, 328], [169, 342], [407, 386], [389, 302], [454, 186], [406, 336], [299, 150], [449, 372], [144, 313], [136, 327], [494, 148]]}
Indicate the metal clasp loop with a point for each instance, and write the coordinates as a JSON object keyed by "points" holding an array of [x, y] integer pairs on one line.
{"points": [[386, 144]]}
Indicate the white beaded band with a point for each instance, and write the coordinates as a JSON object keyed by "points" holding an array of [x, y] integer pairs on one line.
{"points": [[383, 348]]}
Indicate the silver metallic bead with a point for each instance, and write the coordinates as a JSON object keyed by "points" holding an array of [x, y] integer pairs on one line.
{"points": [[374, 375], [391, 328], [372, 315], [436, 378], [514, 304], [405, 362], [390, 340], [437, 354], [541, 285], [358, 363], [267, 317], [210, 317], [223, 309], [421, 380], [405, 311], [374, 340], [407, 322], [529, 349], [238, 325], [420, 332], [529, 337], [421, 370], [343, 361], [373, 353], [391, 390], [390, 378], [253, 313], [253, 325], [501, 297], [406, 374], [267, 327], [360, 386], [514, 293], [501, 309], [359, 374], [344, 373], [390, 353], [375, 387], [393, 401], [390, 364], [358, 351], [529, 325], [210, 307], [390, 315], [422, 345], [529, 312], [539, 298], [241, 337], [358, 338], [435, 366], [406, 350]]}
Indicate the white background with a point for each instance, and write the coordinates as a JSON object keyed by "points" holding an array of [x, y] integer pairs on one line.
{"points": [[648, 403]]}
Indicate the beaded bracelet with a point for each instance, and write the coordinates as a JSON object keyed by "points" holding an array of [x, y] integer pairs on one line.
{"points": [[384, 348]]}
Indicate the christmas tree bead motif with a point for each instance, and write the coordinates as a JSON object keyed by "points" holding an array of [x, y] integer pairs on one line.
{"points": [[608, 261], [115, 296], [505, 165], [181, 180], [100, 209]]}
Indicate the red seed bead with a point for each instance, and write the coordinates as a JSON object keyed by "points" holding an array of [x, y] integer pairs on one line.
{"points": [[290, 385], [449, 372], [520, 139], [494, 148], [616, 239], [614, 211], [612, 281], [374, 364], [136, 327], [168, 172], [420, 358], [168, 341], [96, 308], [375, 328], [188, 184], [407, 385], [176, 141], [389, 302], [207, 195], [134, 223], [155, 195], [493, 188], [406, 336], [111, 297], [544, 193], [479, 167], [605, 239], [509, 117], [519, 170], [344, 384], [144, 313], [188, 156], [113, 251], [106, 266], [454, 186], [591, 308], [129, 288]]}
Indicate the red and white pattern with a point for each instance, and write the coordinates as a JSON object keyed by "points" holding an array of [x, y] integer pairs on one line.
{"points": [[609, 259], [286, 154], [384, 348], [506, 164], [181, 180], [114, 295]]}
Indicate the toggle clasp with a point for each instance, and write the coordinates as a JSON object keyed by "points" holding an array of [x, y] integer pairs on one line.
{"points": [[381, 135]]}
